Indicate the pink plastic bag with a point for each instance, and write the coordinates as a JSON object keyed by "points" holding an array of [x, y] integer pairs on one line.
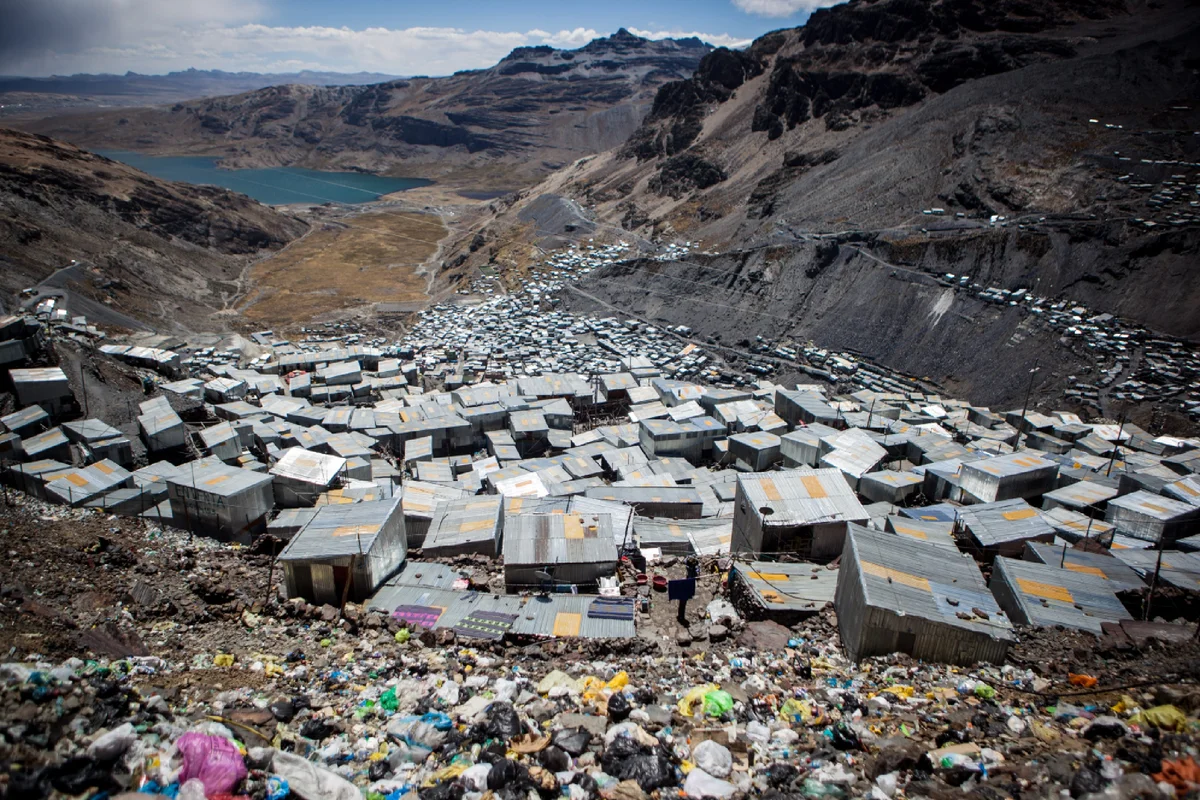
{"points": [[214, 760]]}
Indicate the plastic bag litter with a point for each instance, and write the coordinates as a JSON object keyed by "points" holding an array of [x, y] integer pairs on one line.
{"points": [[573, 741], [713, 758], [388, 699], [626, 759], [618, 707], [557, 679], [475, 777], [717, 702], [502, 721], [757, 732], [700, 784], [899, 691], [984, 692], [308, 781], [214, 761], [1083, 681], [795, 710], [277, 788], [1168, 718], [629, 730], [694, 695], [113, 744]]}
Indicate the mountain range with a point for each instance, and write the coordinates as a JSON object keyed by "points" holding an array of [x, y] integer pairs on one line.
{"points": [[503, 127]]}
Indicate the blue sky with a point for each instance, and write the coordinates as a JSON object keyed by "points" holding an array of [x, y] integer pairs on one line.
{"points": [[400, 37]]}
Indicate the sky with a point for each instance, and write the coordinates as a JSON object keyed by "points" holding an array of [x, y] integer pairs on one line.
{"points": [[397, 37]]}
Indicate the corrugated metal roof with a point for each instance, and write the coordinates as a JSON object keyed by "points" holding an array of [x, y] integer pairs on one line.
{"points": [[992, 524], [568, 538], [1073, 526], [801, 497], [933, 532], [1186, 490], [1049, 596], [1119, 575], [299, 464], [1177, 568], [1082, 493], [219, 479], [931, 583], [1010, 465], [1156, 506], [341, 530], [684, 536], [788, 587], [465, 522]]}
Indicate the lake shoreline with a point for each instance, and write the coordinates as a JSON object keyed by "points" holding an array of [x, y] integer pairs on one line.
{"points": [[274, 186]]}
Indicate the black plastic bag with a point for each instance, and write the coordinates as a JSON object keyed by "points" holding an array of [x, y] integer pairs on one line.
{"points": [[554, 759], [442, 791], [953, 736], [317, 730], [626, 760], [504, 772], [1086, 781], [780, 774], [844, 738], [502, 721], [574, 741], [618, 708], [76, 775], [379, 770]]}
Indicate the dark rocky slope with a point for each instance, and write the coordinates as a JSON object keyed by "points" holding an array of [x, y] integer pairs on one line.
{"points": [[1070, 123], [161, 251]]}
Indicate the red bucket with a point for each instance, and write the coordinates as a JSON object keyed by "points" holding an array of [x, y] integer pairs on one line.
{"points": [[660, 583]]}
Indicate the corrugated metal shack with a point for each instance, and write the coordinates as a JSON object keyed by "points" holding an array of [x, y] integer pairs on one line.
{"points": [[784, 592], [802, 511], [363, 543], [890, 486], [468, 525], [1153, 518], [1024, 475], [226, 502], [895, 595], [300, 476], [758, 451], [575, 549], [1045, 596], [1003, 528]]}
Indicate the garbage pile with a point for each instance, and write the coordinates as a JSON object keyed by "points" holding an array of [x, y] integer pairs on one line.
{"points": [[775, 712]]}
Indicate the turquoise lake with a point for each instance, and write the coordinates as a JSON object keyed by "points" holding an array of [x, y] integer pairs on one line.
{"points": [[275, 185]]}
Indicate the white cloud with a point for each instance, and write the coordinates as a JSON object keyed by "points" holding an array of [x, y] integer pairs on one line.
{"points": [[152, 36], [781, 8]]}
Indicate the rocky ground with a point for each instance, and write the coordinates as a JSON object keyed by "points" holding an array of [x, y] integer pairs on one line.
{"points": [[139, 659]]}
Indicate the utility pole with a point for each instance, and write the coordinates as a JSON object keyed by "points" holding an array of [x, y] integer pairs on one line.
{"points": [[1153, 580], [1025, 407], [1116, 444]]}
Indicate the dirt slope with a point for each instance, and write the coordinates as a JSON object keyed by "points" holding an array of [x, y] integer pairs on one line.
{"points": [[158, 251]]}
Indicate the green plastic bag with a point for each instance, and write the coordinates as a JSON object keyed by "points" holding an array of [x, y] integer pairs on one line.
{"points": [[717, 702], [388, 700], [984, 691], [402, 636]]}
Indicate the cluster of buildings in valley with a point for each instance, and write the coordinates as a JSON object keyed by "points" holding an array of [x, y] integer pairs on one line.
{"points": [[582, 453]]}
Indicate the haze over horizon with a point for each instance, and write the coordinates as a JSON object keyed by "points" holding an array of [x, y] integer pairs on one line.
{"points": [[65, 37]]}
